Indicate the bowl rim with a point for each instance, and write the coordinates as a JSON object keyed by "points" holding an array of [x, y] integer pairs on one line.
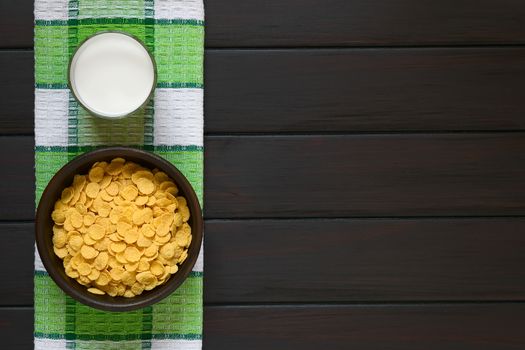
{"points": [[85, 297]]}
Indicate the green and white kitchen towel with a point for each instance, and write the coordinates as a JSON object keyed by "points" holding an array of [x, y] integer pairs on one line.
{"points": [[171, 126]]}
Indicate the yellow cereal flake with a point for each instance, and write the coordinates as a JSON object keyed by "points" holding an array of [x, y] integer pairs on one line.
{"points": [[177, 219], [166, 184], [145, 186], [129, 192], [151, 201], [96, 232], [183, 257], [72, 273], [61, 252], [137, 288], [131, 235], [141, 200], [128, 294], [173, 190], [123, 227], [59, 239], [102, 245], [103, 279], [67, 195], [96, 291], [106, 181], [181, 238], [162, 239], [82, 199], [76, 197], [92, 189], [81, 208], [88, 240], [84, 269], [143, 242], [94, 275], [77, 220], [58, 216], [88, 252], [132, 254], [79, 181], [142, 174], [111, 290], [167, 251], [160, 177], [75, 241], [104, 195], [96, 174], [146, 278], [115, 167], [121, 258], [118, 247], [128, 170], [151, 251], [128, 278], [185, 212], [116, 273], [104, 209], [156, 268], [101, 164], [147, 230], [89, 219], [138, 217], [163, 202], [131, 266], [101, 261]]}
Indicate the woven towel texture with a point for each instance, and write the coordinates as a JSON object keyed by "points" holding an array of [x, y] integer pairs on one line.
{"points": [[171, 125]]}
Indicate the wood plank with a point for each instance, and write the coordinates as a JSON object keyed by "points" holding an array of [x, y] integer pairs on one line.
{"points": [[364, 260], [16, 87], [16, 23], [367, 327], [333, 260], [366, 175], [393, 327], [333, 176], [371, 90], [16, 328], [17, 179], [354, 90], [17, 257], [249, 23]]}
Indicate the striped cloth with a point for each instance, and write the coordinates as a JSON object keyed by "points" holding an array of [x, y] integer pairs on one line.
{"points": [[171, 126]]}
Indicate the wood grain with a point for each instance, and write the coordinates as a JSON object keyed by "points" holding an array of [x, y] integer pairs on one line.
{"points": [[16, 23], [18, 189], [303, 91], [365, 327], [16, 87], [333, 176], [368, 175], [16, 328], [251, 23], [17, 257], [333, 261]]}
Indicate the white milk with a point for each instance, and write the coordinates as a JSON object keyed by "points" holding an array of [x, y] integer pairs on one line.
{"points": [[112, 74]]}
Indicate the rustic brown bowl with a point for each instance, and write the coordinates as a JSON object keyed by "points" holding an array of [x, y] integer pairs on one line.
{"points": [[44, 232]]}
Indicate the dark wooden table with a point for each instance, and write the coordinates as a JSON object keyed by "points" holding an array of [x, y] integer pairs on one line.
{"points": [[365, 174]]}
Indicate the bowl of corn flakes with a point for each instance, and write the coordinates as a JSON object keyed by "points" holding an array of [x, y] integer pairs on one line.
{"points": [[118, 228]]}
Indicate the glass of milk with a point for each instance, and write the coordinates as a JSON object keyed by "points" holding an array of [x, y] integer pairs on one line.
{"points": [[112, 74]]}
